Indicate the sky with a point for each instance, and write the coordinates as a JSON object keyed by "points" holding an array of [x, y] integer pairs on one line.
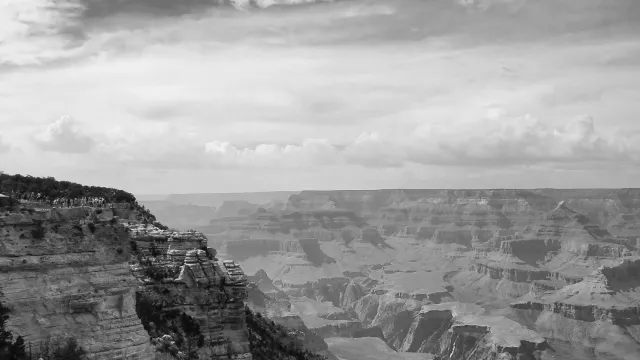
{"points": [[169, 96]]}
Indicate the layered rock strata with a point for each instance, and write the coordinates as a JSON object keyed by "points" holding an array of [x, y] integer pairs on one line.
{"points": [[265, 298], [601, 312], [196, 283], [65, 272], [450, 331]]}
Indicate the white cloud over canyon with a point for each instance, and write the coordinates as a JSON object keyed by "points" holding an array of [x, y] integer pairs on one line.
{"points": [[63, 136], [365, 93]]}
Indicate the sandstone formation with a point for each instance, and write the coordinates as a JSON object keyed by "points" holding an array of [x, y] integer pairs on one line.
{"points": [[602, 311], [268, 300], [197, 284], [65, 272], [93, 265]]}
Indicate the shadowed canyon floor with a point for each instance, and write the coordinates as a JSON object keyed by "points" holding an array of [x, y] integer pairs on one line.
{"points": [[464, 274]]}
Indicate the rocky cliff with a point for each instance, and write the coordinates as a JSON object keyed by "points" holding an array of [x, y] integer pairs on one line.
{"points": [[182, 275], [266, 299], [66, 272], [602, 311], [450, 330]]}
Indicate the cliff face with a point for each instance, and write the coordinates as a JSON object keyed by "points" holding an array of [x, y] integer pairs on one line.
{"points": [[478, 338], [601, 311], [181, 274], [65, 272], [266, 299], [69, 272], [451, 331]]}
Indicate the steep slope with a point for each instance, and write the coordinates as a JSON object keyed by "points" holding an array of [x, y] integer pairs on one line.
{"points": [[181, 275], [266, 300], [65, 271], [91, 264], [561, 247], [271, 341], [602, 311]]}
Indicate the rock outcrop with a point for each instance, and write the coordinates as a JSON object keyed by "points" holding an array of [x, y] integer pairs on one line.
{"points": [[180, 272], [602, 311], [66, 272], [454, 331], [266, 299], [484, 337]]}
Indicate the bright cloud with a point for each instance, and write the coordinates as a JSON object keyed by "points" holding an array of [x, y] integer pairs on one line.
{"points": [[64, 136], [490, 142], [312, 152], [523, 140]]}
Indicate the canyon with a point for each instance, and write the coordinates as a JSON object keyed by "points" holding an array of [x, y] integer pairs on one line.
{"points": [[393, 274], [65, 271], [446, 274], [123, 286]]}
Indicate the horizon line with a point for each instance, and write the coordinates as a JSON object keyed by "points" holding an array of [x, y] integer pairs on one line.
{"points": [[384, 189]]}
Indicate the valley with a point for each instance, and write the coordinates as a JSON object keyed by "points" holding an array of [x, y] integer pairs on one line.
{"points": [[444, 274]]}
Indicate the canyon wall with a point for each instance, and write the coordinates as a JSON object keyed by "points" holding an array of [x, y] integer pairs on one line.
{"points": [[600, 312], [601, 205], [78, 272], [66, 272], [181, 274]]}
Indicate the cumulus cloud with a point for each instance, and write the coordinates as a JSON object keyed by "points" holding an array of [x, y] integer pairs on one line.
{"points": [[483, 5], [496, 141], [312, 152], [64, 136], [369, 9], [493, 142], [371, 150], [520, 141]]}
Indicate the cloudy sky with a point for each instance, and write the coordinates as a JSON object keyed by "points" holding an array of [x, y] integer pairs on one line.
{"points": [[175, 96]]}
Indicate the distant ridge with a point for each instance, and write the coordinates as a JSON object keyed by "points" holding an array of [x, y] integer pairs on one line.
{"points": [[262, 197], [216, 199]]}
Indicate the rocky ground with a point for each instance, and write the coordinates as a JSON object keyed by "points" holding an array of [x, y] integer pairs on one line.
{"points": [[518, 274]]}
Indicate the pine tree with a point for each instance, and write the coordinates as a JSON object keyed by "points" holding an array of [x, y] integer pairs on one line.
{"points": [[17, 350], [5, 336]]}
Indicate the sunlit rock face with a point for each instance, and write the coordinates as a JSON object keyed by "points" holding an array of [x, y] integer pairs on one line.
{"points": [[197, 284], [65, 272], [601, 311]]}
